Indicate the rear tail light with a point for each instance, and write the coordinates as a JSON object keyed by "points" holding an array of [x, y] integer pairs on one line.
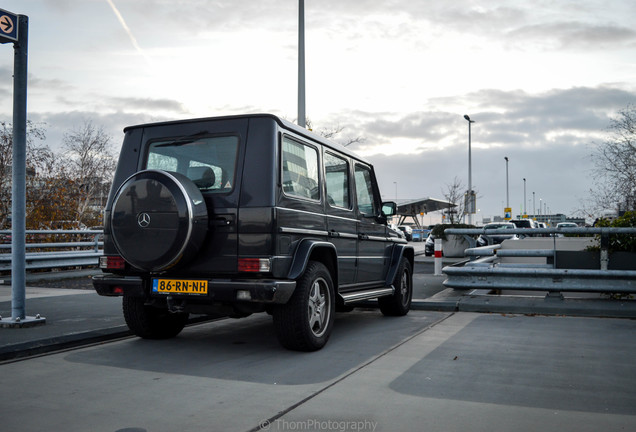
{"points": [[254, 265], [112, 262]]}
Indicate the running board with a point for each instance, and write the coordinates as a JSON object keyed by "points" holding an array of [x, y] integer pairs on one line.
{"points": [[356, 296]]}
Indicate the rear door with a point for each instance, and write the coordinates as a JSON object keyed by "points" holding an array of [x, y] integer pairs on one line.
{"points": [[342, 222], [209, 152], [299, 211]]}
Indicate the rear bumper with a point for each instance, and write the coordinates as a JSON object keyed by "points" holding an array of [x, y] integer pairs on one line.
{"points": [[219, 290]]}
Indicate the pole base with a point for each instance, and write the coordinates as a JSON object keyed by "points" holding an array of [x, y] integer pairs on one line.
{"points": [[28, 321]]}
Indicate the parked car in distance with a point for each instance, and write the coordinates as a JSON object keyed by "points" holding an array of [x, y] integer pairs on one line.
{"points": [[565, 225], [523, 223], [541, 225], [429, 246], [496, 233], [407, 230], [398, 231]]}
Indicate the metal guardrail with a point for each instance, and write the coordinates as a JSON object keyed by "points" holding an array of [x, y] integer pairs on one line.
{"points": [[50, 255], [484, 272]]}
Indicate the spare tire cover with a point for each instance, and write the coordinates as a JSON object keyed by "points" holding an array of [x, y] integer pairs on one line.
{"points": [[159, 219]]}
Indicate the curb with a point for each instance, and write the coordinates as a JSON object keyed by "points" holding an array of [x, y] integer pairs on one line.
{"points": [[57, 343], [530, 306]]}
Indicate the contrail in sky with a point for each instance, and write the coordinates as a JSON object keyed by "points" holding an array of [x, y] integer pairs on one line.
{"points": [[127, 30]]}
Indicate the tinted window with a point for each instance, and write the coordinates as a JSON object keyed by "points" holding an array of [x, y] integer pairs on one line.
{"points": [[364, 191], [522, 223], [300, 170], [337, 180], [209, 162]]}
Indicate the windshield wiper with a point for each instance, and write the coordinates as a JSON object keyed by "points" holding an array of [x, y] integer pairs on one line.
{"points": [[186, 139]]}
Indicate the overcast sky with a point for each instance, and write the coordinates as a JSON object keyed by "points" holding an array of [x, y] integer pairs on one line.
{"points": [[541, 79]]}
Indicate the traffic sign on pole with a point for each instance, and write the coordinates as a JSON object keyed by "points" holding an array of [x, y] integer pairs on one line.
{"points": [[8, 27]]}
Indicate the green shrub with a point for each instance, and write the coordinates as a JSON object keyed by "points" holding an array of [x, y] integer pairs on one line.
{"points": [[621, 242], [438, 230]]}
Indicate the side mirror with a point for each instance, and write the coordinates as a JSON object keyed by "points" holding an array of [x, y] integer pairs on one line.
{"points": [[389, 209]]}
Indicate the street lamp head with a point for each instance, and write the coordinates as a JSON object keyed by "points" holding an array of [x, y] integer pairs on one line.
{"points": [[468, 118], [506, 158]]}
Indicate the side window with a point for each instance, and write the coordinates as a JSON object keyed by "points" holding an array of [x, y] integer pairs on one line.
{"points": [[300, 170], [337, 181], [364, 191]]}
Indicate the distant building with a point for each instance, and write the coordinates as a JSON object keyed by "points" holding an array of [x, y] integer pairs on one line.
{"points": [[552, 219]]}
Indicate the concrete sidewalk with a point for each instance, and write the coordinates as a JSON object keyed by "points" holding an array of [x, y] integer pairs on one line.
{"points": [[73, 317]]}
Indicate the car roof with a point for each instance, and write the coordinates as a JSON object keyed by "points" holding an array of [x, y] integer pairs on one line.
{"points": [[286, 124]]}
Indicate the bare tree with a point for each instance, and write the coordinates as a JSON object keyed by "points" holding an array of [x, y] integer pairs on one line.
{"points": [[454, 194], [39, 161], [89, 169], [615, 164], [333, 133]]}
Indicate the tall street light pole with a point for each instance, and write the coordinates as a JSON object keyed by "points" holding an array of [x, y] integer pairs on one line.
{"points": [[524, 197], [301, 63], [507, 190], [470, 179]]}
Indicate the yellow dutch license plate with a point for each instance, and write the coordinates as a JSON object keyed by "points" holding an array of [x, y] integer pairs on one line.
{"points": [[179, 286]]}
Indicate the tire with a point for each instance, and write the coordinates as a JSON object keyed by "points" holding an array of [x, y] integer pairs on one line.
{"points": [[399, 303], [305, 322], [150, 322], [158, 220]]}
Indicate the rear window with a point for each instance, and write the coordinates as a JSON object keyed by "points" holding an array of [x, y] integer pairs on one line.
{"points": [[209, 162], [522, 224]]}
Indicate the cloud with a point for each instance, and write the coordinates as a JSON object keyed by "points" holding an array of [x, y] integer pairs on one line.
{"points": [[567, 35], [147, 105]]}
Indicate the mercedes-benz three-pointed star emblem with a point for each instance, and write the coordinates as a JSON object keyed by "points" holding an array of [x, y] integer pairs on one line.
{"points": [[143, 220]]}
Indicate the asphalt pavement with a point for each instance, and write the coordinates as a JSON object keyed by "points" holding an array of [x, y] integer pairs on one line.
{"points": [[428, 371], [73, 314], [440, 368]]}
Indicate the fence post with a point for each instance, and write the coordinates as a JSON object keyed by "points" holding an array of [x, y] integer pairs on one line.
{"points": [[604, 250], [438, 257]]}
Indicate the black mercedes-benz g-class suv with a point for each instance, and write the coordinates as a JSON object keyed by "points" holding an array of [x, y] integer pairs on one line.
{"points": [[245, 214]]}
